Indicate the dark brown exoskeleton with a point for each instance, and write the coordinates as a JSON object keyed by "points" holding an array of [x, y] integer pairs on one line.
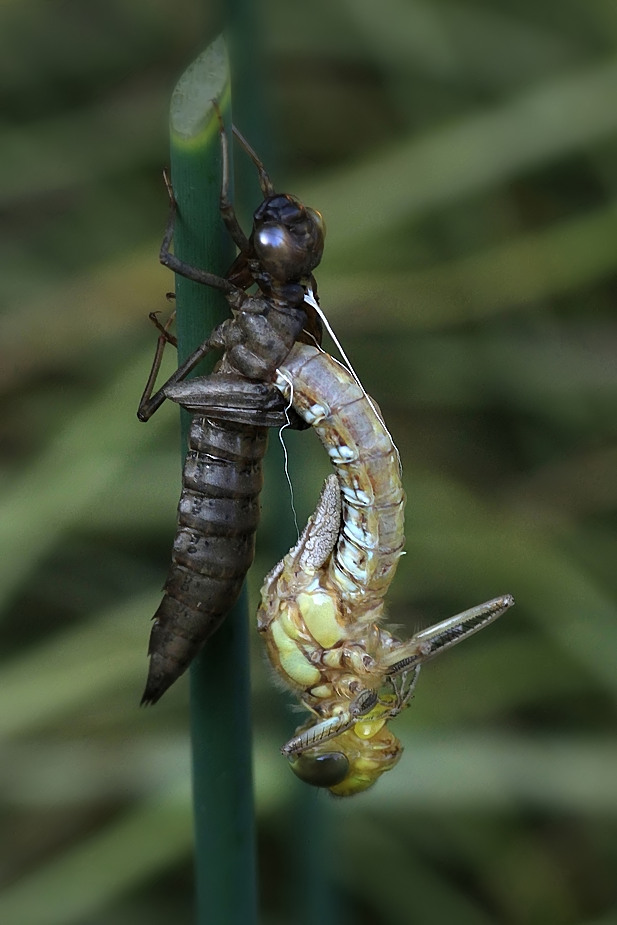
{"points": [[232, 408]]}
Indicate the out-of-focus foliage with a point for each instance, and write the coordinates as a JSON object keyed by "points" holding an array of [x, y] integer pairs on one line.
{"points": [[464, 156]]}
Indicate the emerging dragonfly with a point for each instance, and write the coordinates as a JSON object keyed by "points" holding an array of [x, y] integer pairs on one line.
{"points": [[322, 604], [222, 478]]}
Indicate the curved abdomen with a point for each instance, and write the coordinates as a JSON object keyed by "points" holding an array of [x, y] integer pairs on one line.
{"points": [[367, 466]]}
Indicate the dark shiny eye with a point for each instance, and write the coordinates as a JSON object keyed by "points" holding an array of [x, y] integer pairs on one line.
{"points": [[321, 770], [271, 239], [287, 238]]}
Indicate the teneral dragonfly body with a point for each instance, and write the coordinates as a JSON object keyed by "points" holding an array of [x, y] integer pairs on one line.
{"points": [[322, 604]]}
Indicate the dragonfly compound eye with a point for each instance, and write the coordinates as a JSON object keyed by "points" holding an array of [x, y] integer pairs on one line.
{"points": [[288, 238], [321, 770]]}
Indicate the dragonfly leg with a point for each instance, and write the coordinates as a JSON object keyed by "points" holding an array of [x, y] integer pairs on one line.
{"points": [[318, 733], [163, 329], [436, 639], [404, 685], [332, 727], [265, 183], [227, 210], [150, 403], [366, 706], [147, 406], [174, 263]]}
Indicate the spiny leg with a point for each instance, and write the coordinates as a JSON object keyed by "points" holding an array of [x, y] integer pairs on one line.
{"points": [[404, 685], [146, 408], [402, 674], [333, 726], [179, 266], [265, 183], [226, 208], [436, 639], [163, 329], [368, 705], [149, 403]]}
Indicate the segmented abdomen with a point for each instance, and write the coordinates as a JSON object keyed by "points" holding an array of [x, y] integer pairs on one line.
{"points": [[214, 546], [366, 461]]}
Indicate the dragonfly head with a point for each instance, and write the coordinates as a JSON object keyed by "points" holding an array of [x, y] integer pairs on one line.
{"points": [[351, 762], [287, 238]]}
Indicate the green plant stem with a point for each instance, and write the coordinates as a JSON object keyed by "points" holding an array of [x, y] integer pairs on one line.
{"points": [[220, 695]]}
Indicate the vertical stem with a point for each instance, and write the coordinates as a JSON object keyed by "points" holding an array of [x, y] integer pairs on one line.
{"points": [[219, 682]]}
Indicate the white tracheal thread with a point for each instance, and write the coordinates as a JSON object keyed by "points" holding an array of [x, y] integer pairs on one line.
{"points": [[285, 453], [310, 299]]}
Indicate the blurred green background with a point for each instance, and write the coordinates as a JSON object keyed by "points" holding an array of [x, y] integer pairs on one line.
{"points": [[464, 156]]}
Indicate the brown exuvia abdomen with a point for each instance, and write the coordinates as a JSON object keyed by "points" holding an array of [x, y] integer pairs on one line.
{"points": [[214, 545]]}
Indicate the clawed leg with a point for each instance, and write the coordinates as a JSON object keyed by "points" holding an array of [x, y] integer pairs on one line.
{"points": [[223, 397], [436, 639], [369, 706], [403, 686], [147, 405], [265, 183], [164, 335], [150, 403], [227, 210], [333, 726], [234, 287], [228, 213], [179, 266], [401, 674]]}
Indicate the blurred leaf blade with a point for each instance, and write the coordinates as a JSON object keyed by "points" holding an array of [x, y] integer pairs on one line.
{"points": [[98, 870], [421, 174]]}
